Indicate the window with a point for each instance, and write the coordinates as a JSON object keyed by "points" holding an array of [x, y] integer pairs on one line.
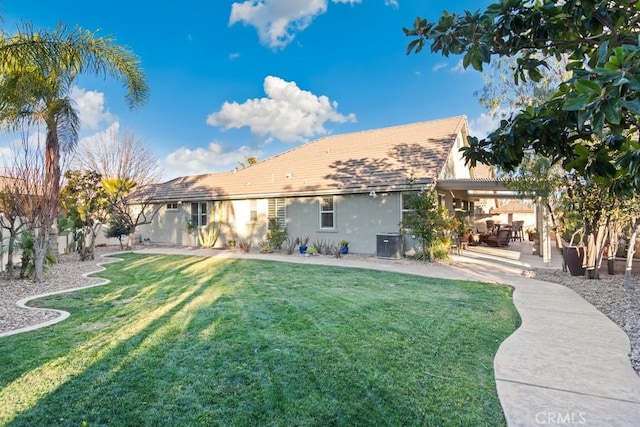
{"points": [[253, 210], [406, 207], [199, 214], [327, 213], [172, 206], [277, 211]]}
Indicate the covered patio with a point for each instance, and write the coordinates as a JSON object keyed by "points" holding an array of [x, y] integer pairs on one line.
{"points": [[463, 194]]}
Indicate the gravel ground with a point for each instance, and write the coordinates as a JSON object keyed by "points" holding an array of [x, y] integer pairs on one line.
{"points": [[611, 297], [67, 274]]}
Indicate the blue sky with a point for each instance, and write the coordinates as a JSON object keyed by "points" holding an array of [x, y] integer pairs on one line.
{"points": [[231, 79]]}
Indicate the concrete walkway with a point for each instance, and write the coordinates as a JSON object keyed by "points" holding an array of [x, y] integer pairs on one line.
{"points": [[567, 364]]}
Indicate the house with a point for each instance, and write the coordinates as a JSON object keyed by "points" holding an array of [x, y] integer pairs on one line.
{"points": [[337, 187]]}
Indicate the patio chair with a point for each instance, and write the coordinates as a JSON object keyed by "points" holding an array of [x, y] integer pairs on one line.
{"points": [[491, 224], [455, 243], [517, 232], [504, 237]]}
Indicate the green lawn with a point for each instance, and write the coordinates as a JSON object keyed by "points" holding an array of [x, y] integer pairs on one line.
{"points": [[189, 341]]}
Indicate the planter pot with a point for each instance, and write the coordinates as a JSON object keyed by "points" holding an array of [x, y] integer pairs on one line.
{"points": [[344, 250], [303, 249], [573, 259]]}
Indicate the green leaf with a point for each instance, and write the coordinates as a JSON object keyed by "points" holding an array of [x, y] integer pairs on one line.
{"points": [[412, 45], [476, 62], [587, 87], [603, 50], [575, 103], [611, 109], [633, 106], [535, 75], [466, 60]]}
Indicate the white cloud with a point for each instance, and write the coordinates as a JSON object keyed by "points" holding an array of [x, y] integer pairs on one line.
{"points": [[278, 21], [90, 106], [459, 68], [393, 3], [233, 56], [108, 134], [287, 113], [213, 158], [481, 126], [439, 66]]}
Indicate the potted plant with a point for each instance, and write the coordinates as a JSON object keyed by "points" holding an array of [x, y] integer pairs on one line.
{"points": [[303, 242], [344, 247], [533, 234], [312, 251]]}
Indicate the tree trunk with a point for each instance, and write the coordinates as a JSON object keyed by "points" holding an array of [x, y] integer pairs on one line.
{"points": [[601, 237], [628, 280], [40, 250], [10, 251], [594, 250], [612, 246], [94, 233], [130, 240], [52, 184], [424, 252]]}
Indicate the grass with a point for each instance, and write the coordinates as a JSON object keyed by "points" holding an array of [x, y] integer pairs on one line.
{"points": [[178, 341]]}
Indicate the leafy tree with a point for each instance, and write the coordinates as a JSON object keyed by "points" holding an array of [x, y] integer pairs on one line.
{"points": [[500, 94], [118, 227], [85, 200], [251, 160], [427, 219], [37, 71], [590, 124], [130, 205]]}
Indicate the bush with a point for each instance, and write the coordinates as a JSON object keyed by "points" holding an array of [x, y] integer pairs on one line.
{"points": [[244, 245], [276, 234], [289, 245]]}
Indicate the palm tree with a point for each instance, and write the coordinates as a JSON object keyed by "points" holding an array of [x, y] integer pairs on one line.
{"points": [[37, 71]]}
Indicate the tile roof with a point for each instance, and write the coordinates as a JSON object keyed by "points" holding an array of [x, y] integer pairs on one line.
{"points": [[379, 159]]}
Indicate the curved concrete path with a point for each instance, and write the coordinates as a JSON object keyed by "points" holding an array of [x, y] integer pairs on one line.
{"points": [[567, 364]]}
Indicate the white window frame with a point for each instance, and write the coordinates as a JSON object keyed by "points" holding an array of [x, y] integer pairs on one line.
{"points": [[403, 209], [324, 212], [172, 206], [201, 214]]}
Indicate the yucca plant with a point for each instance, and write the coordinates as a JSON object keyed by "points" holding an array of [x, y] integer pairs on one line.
{"points": [[28, 254]]}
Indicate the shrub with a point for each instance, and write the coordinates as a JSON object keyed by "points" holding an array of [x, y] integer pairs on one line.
{"points": [[276, 234], [289, 245], [244, 245]]}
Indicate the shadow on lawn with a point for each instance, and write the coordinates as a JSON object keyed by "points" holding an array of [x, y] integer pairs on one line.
{"points": [[257, 342], [111, 351]]}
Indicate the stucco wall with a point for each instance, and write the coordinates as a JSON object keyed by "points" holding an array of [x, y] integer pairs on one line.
{"points": [[358, 219]]}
